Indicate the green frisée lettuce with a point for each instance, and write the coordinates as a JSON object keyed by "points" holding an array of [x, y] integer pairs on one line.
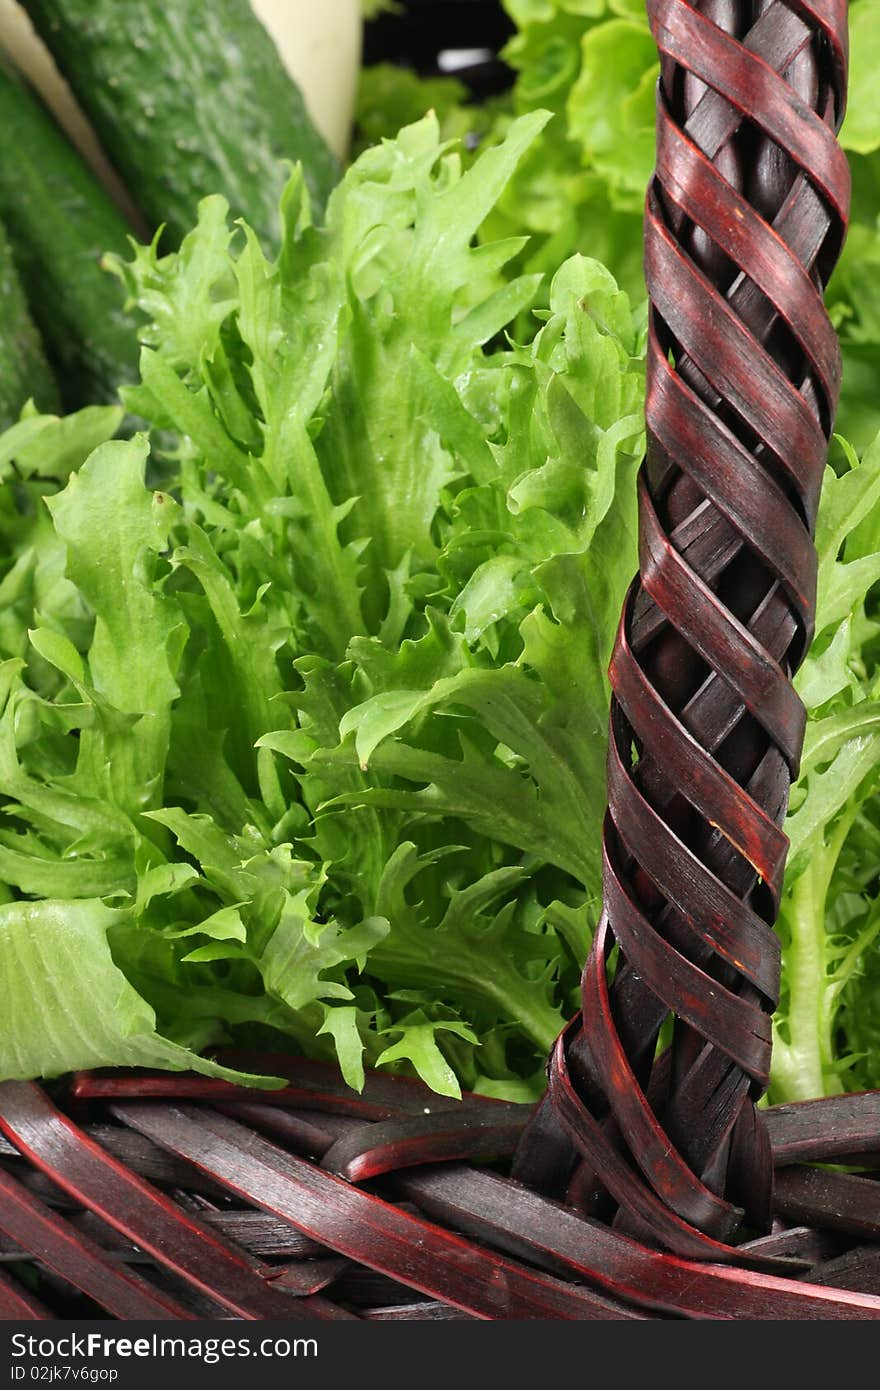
{"points": [[593, 64], [303, 693], [827, 1020], [302, 719]]}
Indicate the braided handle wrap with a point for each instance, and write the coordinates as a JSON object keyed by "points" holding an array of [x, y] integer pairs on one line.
{"points": [[745, 218]]}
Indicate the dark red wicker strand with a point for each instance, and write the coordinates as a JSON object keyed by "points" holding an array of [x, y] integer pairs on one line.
{"points": [[745, 217]]}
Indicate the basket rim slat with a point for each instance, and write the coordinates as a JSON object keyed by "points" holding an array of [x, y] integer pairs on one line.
{"points": [[519, 1219], [17, 1303], [145, 1216], [79, 1260], [433, 1260]]}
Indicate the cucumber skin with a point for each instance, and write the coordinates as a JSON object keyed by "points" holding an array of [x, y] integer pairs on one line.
{"points": [[188, 97], [24, 371], [60, 222]]}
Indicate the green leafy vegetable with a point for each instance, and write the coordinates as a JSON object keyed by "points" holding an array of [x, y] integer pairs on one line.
{"points": [[305, 749], [593, 64], [70, 1005], [831, 913]]}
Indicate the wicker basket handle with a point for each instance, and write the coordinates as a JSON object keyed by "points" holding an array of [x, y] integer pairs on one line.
{"points": [[745, 217]]}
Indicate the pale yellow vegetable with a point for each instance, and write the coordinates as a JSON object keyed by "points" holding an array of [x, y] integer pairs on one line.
{"points": [[320, 45]]}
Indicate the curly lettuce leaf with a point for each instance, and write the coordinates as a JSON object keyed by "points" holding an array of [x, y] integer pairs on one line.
{"points": [[70, 1007], [829, 919], [593, 65]]}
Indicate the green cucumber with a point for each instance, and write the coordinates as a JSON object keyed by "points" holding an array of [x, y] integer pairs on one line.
{"points": [[188, 97], [24, 371], [60, 222]]}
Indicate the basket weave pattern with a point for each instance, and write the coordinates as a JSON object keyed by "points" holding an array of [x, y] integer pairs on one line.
{"points": [[745, 217], [646, 1183], [167, 1197]]}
